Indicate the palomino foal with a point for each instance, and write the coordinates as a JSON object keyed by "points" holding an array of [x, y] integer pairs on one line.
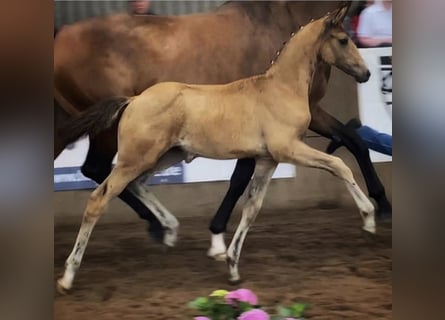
{"points": [[264, 117]]}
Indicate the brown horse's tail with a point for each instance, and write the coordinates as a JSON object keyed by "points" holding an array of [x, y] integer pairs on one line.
{"points": [[96, 119]]}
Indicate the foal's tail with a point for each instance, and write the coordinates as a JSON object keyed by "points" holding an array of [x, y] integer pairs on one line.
{"points": [[96, 119]]}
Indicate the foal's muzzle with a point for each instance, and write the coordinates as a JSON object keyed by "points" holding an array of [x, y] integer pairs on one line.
{"points": [[363, 77]]}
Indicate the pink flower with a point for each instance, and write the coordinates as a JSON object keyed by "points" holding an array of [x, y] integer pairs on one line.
{"points": [[201, 318], [255, 314], [243, 295]]}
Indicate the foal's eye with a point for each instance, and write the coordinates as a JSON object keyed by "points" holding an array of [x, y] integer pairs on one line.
{"points": [[343, 41]]}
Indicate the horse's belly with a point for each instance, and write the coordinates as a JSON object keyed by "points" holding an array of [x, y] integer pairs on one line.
{"points": [[222, 148]]}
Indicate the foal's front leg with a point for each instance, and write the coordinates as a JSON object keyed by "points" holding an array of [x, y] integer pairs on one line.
{"points": [[299, 153], [325, 124], [257, 191]]}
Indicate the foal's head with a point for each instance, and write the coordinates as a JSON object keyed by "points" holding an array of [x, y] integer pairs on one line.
{"points": [[338, 49]]}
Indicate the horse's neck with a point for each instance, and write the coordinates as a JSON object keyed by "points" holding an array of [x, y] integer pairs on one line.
{"points": [[274, 21], [304, 11], [296, 64], [268, 14], [286, 14]]}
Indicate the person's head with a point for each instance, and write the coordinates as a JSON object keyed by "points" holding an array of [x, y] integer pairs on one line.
{"points": [[387, 3], [139, 6]]}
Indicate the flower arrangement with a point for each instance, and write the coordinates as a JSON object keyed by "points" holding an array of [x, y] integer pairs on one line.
{"points": [[241, 304]]}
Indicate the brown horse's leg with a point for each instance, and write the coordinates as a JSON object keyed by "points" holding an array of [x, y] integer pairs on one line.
{"points": [[238, 183], [329, 127]]}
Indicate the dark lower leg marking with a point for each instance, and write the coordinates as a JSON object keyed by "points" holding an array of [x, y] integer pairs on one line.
{"points": [[105, 188], [238, 183]]}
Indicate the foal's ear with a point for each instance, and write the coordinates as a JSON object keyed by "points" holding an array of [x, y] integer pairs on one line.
{"points": [[337, 16]]}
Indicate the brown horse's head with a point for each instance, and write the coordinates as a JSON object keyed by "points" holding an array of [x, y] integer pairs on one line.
{"points": [[338, 49]]}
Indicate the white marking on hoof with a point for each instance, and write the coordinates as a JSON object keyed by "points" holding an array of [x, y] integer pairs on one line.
{"points": [[170, 237], [370, 229], [218, 248], [235, 280], [62, 287], [65, 283], [369, 208], [217, 256], [369, 223]]}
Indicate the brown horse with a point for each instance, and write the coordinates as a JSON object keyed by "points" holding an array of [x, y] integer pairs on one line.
{"points": [[122, 55], [265, 117]]}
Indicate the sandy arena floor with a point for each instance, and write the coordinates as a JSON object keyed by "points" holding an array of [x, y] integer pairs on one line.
{"points": [[316, 256]]}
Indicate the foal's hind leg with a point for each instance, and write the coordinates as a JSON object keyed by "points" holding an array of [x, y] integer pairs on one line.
{"points": [[110, 188], [168, 220], [257, 191], [140, 190], [97, 166], [326, 125], [299, 153]]}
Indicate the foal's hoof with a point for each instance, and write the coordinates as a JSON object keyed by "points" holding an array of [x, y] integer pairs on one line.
{"points": [[370, 229], [235, 282], [369, 224], [170, 237], [61, 289]]}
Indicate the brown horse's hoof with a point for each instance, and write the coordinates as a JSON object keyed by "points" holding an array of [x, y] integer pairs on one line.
{"points": [[384, 218], [222, 257], [166, 249]]}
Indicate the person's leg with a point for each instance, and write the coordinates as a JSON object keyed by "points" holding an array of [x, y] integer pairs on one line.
{"points": [[374, 140], [377, 141]]}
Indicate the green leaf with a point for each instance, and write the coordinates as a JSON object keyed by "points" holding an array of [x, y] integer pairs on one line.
{"points": [[199, 303], [244, 306], [298, 309], [223, 311], [284, 312]]}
